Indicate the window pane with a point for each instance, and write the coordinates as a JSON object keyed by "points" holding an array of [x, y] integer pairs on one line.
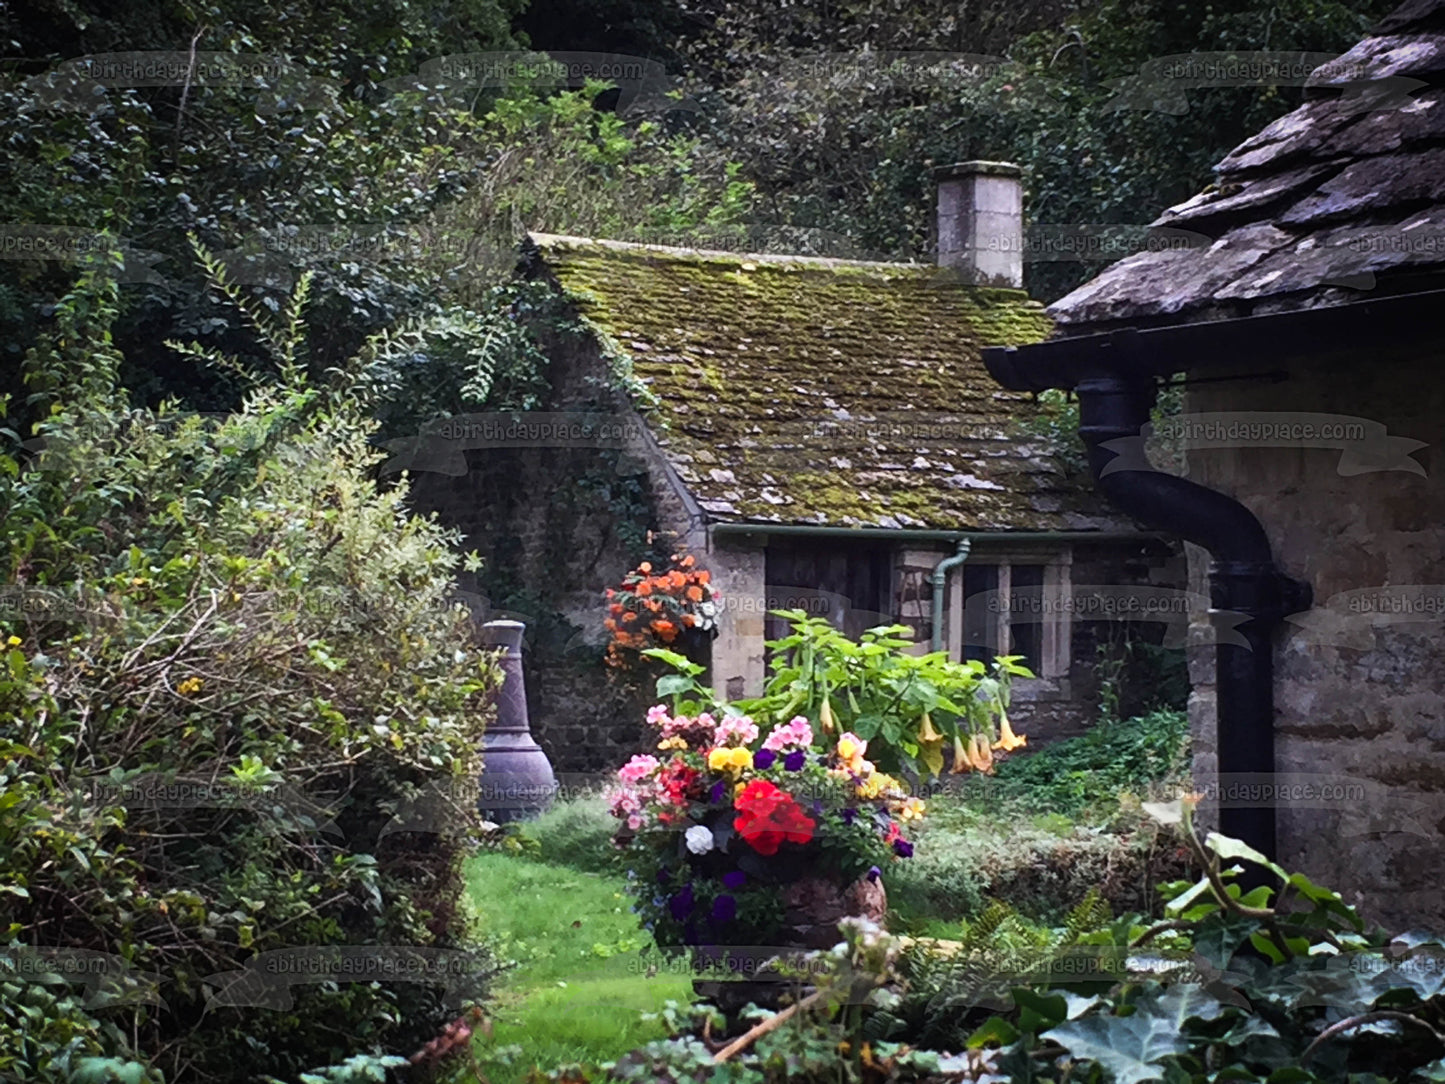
{"points": [[1026, 629], [980, 621]]}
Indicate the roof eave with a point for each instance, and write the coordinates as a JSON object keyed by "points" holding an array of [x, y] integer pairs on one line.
{"points": [[1249, 343]]}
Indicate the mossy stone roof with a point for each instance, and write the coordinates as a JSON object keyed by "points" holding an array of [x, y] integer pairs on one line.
{"points": [[1340, 199], [800, 390]]}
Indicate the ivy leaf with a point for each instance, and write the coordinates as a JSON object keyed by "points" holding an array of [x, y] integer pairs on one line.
{"points": [[1218, 937], [1129, 1047], [1435, 1071]]}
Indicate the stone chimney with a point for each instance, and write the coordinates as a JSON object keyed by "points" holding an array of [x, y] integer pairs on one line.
{"points": [[981, 223]]}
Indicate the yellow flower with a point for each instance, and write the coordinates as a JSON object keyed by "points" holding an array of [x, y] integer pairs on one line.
{"points": [[850, 751], [870, 787], [189, 686], [1007, 740], [961, 762], [926, 733], [674, 742], [911, 810], [14, 641], [730, 760]]}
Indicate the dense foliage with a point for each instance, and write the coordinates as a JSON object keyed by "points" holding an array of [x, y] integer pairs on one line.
{"points": [[229, 660], [1279, 983]]}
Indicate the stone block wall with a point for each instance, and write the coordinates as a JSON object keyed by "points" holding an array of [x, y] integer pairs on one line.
{"points": [[1362, 707]]}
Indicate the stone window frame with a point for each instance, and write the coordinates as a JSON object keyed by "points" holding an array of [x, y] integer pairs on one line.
{"points": [[1056, 639]]}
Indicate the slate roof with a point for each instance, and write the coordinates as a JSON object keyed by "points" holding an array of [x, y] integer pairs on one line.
{"points": [[1339, 201], [805, 390]]}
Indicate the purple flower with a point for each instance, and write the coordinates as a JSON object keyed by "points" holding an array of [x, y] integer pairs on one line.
{"points": [[794, 761], [735, 878], [874, 873], [848, 815], [681, 904], [719, 789], [724, 908], [902, 848], [764, 758]]}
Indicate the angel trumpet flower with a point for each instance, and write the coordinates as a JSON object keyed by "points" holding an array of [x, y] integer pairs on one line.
{"points": [[979, 754], [960, 757], [825, 717], [1008, 741]]}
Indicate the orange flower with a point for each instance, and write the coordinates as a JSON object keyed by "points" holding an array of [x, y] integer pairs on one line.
{"points": [[646, 566], [687, 562], [610, 592], [664, 627], [616, 608], [689, 620], [676, 579], [694, 593], [629, 616], [644, 588], [610, 624], [703, 575]]}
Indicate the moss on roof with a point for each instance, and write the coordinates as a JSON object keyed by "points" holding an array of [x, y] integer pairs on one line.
{"points": [[802, 390]]}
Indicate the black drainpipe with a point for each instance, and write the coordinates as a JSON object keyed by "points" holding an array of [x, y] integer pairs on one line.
{"points": [[1243, 579]]}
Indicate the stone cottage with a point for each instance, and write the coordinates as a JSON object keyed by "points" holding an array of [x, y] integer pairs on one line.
{"points": [[821, 435], [1314, 427]]}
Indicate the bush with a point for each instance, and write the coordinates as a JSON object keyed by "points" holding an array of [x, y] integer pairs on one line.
{"points": [[1091, 770], [577, 833], [233, 602], [1042, 867]]}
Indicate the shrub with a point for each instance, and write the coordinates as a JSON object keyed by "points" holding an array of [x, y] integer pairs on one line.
{"points": [[1041, 867], [1091, 770], [232, 602], [577, 833]]}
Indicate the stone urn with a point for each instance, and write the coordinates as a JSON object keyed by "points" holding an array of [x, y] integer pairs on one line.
{"points": [[517, 780], [812, 908]]}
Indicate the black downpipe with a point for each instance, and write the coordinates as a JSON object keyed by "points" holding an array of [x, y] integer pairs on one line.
{"points": [[1243, 579]]}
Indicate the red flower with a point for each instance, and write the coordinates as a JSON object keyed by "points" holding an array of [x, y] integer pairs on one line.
{"points": [[678, 782], [767, 818]]}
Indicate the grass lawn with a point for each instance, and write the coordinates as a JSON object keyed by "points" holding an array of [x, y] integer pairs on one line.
{"points": [[581, 982]]}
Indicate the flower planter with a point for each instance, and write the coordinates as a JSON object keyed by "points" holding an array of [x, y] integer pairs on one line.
{"points": [[813, 907]]}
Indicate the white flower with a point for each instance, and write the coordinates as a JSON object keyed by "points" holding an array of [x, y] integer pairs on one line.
{"points": [[699, 839]]}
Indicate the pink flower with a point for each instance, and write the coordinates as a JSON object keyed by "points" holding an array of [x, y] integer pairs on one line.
{"points": [[797, 732], [637, 769], [657, 715], [738, 727]]}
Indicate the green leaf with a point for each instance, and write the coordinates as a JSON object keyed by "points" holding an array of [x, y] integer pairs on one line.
{"points": [[1129, 1047], [1038, 1010], [1178, 903], [1228, 848], [993, 1030], [1218, 937]]}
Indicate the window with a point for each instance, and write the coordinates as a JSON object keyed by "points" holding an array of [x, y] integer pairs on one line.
{"points": [[1010, 604]]}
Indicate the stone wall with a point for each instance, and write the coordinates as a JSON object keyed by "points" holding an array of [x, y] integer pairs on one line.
{"points": [[1368, 713], [555, 526]]}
